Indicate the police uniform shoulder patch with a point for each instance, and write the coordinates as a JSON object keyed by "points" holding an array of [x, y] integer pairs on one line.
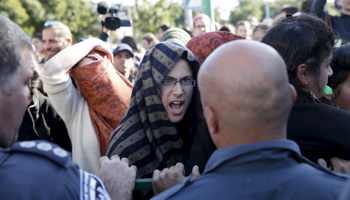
{"points": [[43, 148], [91, 187]]}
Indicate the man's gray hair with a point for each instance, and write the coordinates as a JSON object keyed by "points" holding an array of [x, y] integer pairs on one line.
{"points": [[13, 40]]}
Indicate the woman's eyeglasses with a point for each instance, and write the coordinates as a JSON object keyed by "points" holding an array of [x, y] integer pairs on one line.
{"points": [[171, 82]]}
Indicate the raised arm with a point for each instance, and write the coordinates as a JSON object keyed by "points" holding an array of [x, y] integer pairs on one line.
{"points": [[105, 31], [67, 58], [317, 8]]}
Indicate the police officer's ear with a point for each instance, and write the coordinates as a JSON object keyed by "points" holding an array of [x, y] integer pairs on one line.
{"points": [[211, 117]]}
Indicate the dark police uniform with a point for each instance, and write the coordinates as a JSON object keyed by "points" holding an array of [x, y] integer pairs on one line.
{"points": [[270, 170], [42, 170]]}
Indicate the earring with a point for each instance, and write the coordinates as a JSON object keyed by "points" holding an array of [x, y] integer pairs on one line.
{"points": [[312, 94]]}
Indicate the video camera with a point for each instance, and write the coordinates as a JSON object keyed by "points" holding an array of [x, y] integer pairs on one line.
{"points": [[111, 22]]}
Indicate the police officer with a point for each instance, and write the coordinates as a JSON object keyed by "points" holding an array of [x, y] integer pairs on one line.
{"points": [[40, 169], [43, 170]]}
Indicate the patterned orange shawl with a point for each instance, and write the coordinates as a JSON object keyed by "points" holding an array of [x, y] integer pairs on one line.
{"points": [[204, 44], [107, 93]]}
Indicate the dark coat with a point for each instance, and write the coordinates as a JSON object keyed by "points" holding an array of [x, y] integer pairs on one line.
{"points": [[48, 125], [201, 149], [320, 130]]}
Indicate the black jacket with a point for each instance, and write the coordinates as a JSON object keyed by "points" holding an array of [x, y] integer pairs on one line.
{"points": [[41, 121], [320, 130], [200, 151]]}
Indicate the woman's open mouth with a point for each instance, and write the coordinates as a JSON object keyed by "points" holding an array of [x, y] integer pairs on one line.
{"points": [[177, 107]]}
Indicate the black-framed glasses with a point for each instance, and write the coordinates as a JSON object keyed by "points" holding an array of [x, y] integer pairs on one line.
{"points": [[51, 23], [171, 82]]}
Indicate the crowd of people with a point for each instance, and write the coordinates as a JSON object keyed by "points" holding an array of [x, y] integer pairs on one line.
{"points": [[240, 112]]}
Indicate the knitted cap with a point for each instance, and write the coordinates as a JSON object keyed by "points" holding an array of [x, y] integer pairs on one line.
{"points": [[177, 33]]}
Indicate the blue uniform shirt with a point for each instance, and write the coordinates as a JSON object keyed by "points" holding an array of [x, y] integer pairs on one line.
{"points": [[42, 170], [263, 170]]}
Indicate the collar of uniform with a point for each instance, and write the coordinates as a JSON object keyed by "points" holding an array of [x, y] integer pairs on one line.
{"points": [[223, 154]]}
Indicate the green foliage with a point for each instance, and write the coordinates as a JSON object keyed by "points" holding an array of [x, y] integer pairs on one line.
{"points": [[79, 15], [256, 8], [275, 7], [180, 21], [82, 18], [14, 10], [217, 16], [196, 12], [245, 9], [147, 16]]}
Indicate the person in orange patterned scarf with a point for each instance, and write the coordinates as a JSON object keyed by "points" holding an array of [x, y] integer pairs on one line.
{"points": [[204, 44], [93, 109]]}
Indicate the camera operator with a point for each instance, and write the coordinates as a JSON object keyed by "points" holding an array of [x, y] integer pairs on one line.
{"points": [[105, 31], [110, 21]]}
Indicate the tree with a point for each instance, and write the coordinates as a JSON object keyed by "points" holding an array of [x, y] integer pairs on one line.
{"points": [[31, 15], [245, 9], [147, 17], [81, 18], [14, 10], [256, 8], [275, 7]]}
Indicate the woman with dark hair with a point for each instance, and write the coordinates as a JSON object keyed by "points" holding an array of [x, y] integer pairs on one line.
{"points": [[340, 81], [164, 112], [306, 43]]}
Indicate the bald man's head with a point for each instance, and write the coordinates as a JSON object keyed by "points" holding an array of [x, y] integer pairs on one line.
{"points": [[246, 84]]}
